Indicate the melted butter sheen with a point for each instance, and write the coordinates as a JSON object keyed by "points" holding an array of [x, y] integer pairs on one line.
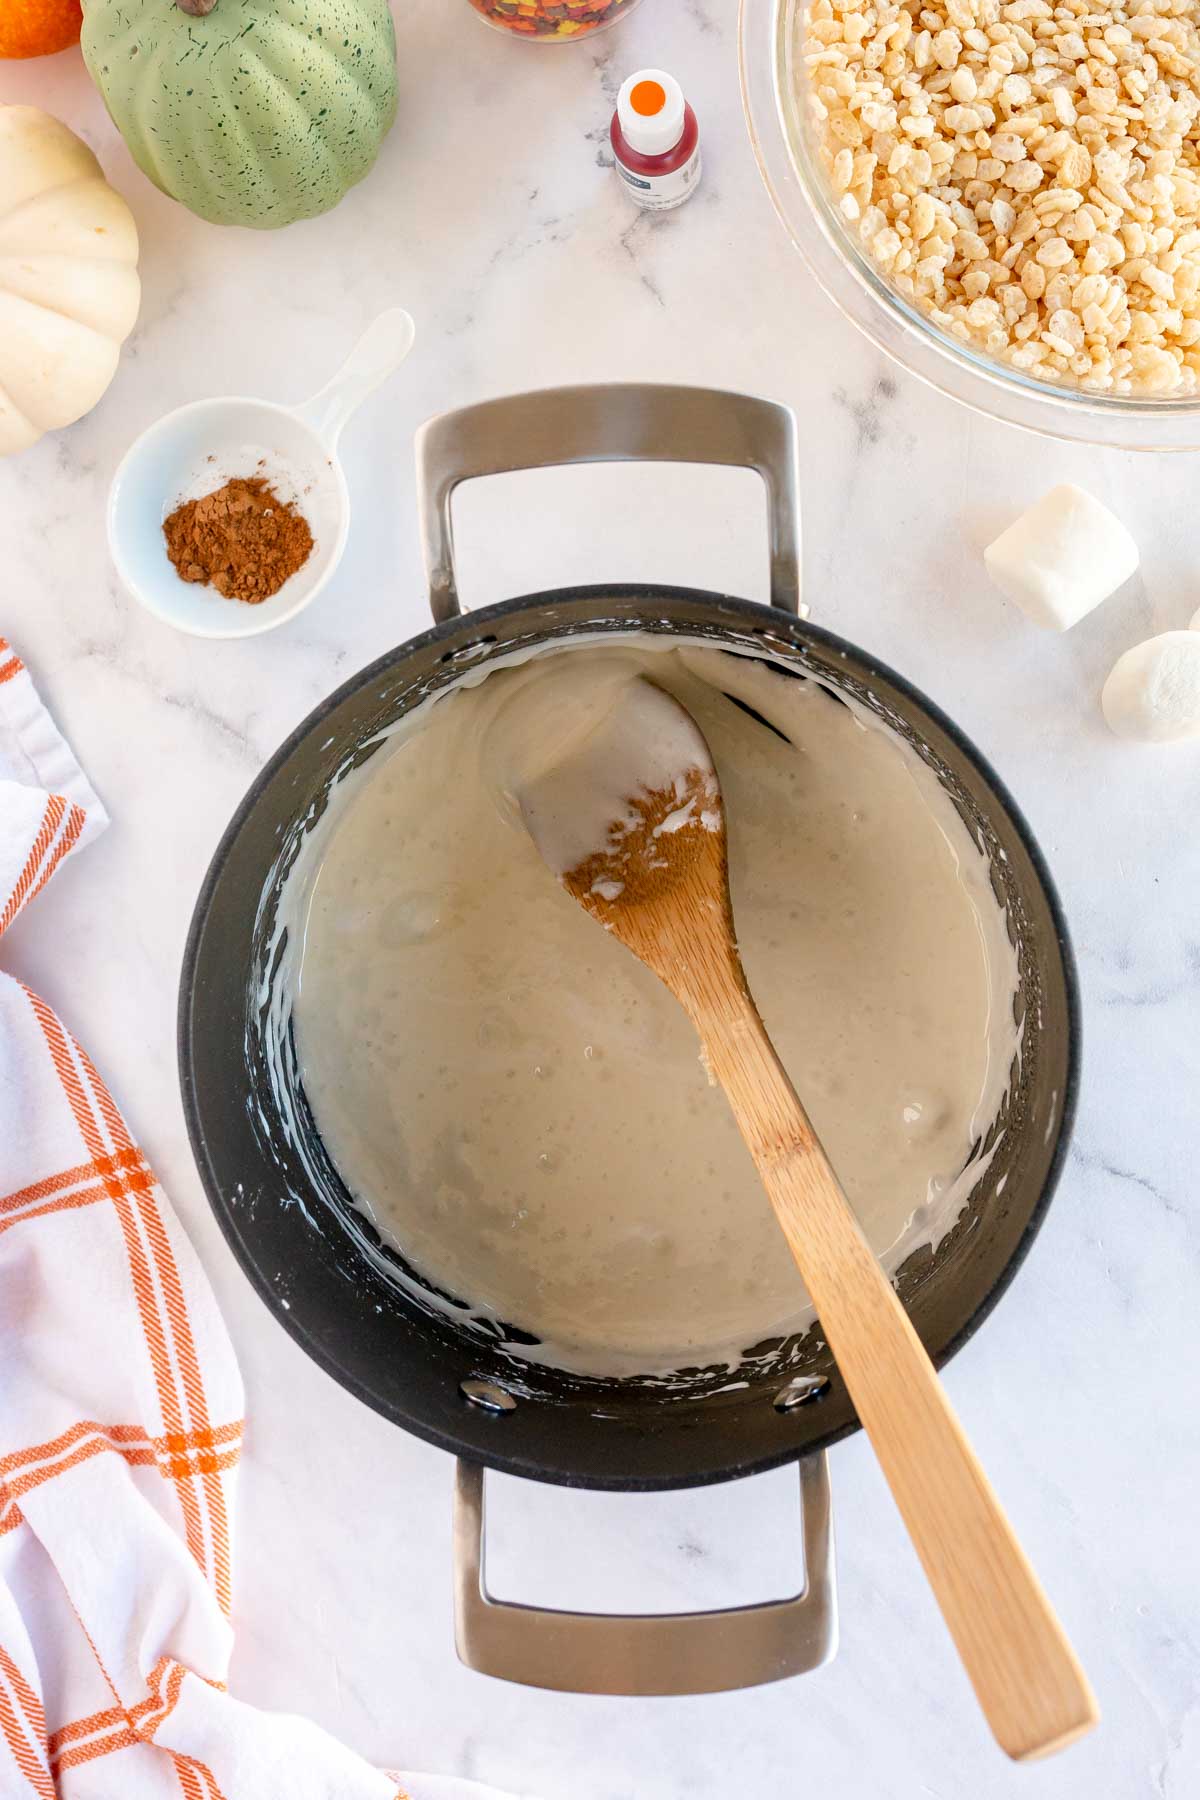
{"points": [[520, 1107]]}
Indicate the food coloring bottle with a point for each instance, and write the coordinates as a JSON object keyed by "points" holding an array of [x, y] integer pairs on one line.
{"points": [[656, 141]]}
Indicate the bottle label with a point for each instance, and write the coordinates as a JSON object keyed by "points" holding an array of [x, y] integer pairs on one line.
{"points": [[658, 193]]}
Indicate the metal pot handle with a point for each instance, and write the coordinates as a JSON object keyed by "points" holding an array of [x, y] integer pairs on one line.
{"points": [[646, 1653], [621, 422]]}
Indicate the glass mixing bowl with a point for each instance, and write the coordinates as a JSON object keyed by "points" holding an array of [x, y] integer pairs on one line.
{"points": [[773, 93]]}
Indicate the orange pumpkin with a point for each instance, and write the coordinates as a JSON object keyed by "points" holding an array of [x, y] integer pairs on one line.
{"points": [[38, 27]]}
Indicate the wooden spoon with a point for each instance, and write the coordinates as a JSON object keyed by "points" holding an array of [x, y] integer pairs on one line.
{"points": [[658, 879]]}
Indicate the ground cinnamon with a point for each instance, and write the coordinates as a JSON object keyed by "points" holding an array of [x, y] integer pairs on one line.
{"points": [[243, 539]]}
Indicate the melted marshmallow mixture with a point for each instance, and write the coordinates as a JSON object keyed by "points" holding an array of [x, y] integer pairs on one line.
{"points": [[520, 1107]]}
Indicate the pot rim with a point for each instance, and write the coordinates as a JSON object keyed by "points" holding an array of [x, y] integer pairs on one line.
{"points": [[475, 624]]}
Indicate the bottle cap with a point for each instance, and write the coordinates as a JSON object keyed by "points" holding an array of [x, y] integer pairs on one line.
{"points": [[650, 112]]}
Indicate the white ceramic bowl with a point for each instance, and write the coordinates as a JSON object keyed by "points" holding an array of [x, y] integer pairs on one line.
{"points": [[199, 447]]}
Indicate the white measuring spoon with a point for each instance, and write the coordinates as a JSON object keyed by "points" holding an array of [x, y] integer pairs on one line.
{"points": [[198, 448]]}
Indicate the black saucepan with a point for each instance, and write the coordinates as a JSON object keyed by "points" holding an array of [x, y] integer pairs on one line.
{"points": [[281, 1203]]}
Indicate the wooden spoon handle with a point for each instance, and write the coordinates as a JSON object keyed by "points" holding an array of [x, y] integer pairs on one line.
{"points": [[1028, 1681]]}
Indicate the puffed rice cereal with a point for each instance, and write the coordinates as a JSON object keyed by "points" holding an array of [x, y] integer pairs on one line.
{"points": [[1026, 173]]}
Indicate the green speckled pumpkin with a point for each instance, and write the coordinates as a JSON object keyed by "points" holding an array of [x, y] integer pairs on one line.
{"points": [[250, 112]]}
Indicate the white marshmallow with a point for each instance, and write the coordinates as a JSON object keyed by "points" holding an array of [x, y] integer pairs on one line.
{"points": [[1153, 692], [1061, 558]]}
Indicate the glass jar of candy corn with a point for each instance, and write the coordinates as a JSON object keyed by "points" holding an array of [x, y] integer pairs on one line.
{"points": [[553, 21]]}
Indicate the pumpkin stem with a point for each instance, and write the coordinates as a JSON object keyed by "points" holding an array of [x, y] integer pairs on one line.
{"points": [[196, 9]]}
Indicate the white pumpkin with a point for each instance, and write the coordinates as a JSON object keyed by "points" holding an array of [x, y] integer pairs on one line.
{"points": [[69, 288]]}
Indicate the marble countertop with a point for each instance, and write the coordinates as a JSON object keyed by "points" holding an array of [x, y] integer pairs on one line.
{"points": [[493, 217]]}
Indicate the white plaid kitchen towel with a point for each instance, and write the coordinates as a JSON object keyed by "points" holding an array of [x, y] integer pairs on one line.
{"points": [[120, 1414]]}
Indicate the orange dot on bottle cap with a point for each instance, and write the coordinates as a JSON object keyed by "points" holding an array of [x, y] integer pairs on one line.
{"points": [[648, 98]]}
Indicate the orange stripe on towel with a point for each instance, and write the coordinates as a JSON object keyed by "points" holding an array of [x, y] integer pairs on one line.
{"points": [[139, 1268], [27, 1700], [163, 1705], [181, 1330], [64, 1203], [209, 1790], [24, 1738], [52, 818], [65, 844], [108, 1173], [168, 1447], [84, 1728], [188, 1781], [53, 1184], [123, 1739], [177, 1469]]}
